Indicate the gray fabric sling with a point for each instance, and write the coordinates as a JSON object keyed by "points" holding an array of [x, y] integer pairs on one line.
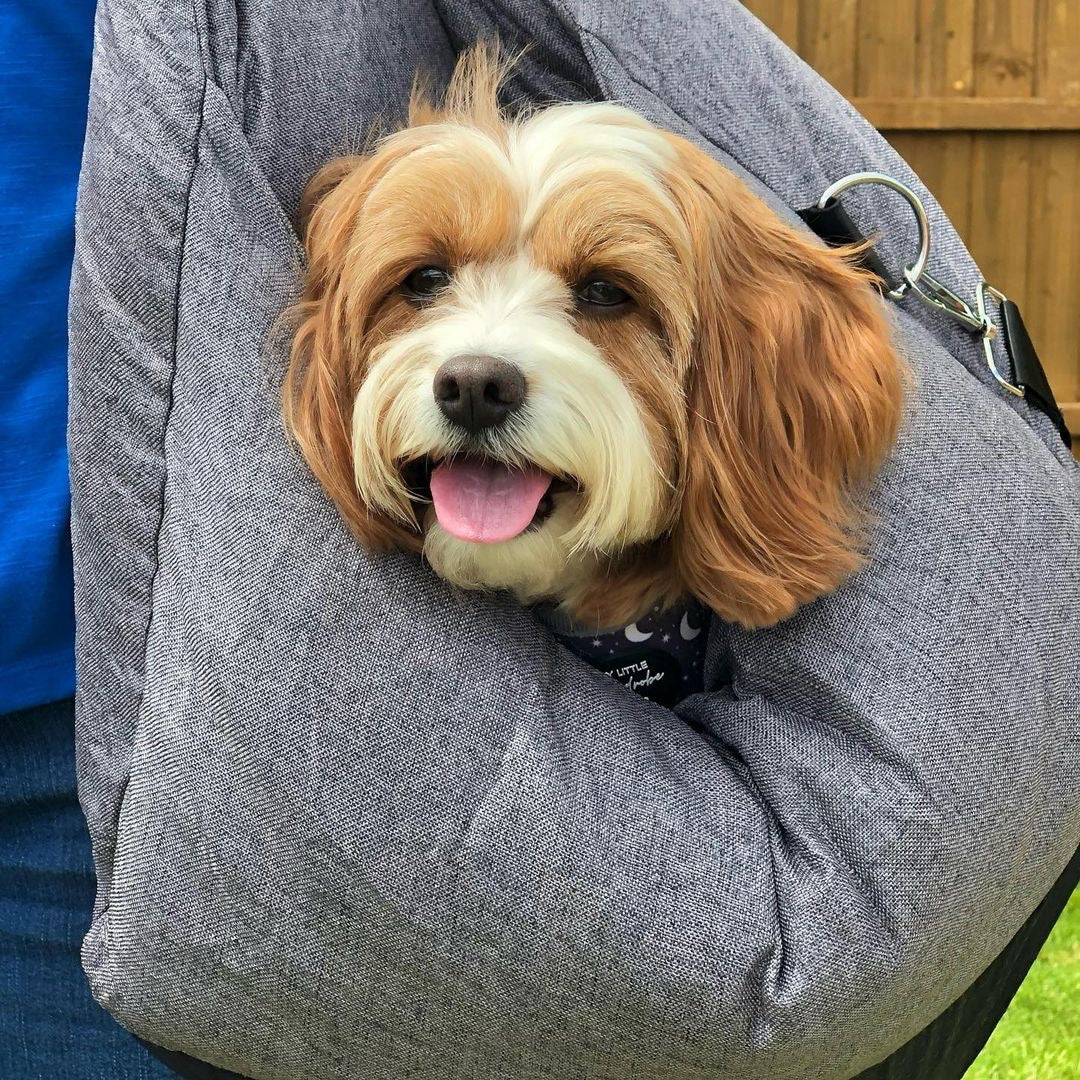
{"points": [[348, 824]]}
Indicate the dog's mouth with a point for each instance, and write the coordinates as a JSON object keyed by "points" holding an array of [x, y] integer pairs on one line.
{"points": [[483, 500]]}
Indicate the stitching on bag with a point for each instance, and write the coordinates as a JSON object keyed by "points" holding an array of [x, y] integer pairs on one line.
{"points": [[169, 402]]}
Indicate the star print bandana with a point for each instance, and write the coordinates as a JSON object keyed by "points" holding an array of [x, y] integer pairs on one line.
{"points": [[661, 656]]}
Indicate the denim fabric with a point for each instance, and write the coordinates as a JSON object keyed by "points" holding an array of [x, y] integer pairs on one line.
{"points": [[50, 1026]]}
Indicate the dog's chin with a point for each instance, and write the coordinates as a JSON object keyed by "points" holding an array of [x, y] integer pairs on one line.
{"points": [[537, 564]]}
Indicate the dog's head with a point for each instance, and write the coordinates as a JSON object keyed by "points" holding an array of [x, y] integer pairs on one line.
{"points": [[570, 355]]}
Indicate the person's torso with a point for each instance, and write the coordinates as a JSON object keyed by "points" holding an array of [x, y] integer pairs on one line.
{"points": [[44, 75]]}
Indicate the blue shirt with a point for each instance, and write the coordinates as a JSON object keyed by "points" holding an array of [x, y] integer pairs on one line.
{"points": [[45, 51]]}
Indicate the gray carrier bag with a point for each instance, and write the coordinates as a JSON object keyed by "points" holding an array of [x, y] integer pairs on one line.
{"points": [[350, 825]]}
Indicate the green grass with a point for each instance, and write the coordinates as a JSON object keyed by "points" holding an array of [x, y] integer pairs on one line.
{"points": [[1039, 1036]]}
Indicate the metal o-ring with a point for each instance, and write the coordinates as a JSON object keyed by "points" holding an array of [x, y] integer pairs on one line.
{"points": [[914, 270]]}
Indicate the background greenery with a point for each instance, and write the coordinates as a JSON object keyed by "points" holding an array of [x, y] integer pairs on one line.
{"points": [[1039, 1037]]}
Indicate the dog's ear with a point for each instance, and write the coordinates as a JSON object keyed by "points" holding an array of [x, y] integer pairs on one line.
{"points": [[322, 184], [795, 395], [327, 350]]}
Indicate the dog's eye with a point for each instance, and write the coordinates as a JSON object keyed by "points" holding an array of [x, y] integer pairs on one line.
{"points": [[426, 282], [602, 293]]}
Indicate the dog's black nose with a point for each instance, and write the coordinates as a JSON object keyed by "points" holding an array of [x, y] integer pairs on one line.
{"points": [[477, 392]]}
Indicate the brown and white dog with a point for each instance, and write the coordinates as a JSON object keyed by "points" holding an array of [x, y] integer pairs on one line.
{"points": [[569, 355]]}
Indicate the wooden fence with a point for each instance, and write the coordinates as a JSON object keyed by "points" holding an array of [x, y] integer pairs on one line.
{"points": [[982, 98]]}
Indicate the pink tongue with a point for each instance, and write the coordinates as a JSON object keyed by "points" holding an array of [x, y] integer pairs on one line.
{"points": [[485, 502]]}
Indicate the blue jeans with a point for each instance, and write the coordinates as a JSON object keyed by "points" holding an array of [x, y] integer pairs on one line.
{"points": [[50, 1026]]}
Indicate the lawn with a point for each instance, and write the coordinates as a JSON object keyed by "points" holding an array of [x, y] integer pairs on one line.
{"points": [[1039, 1037]]}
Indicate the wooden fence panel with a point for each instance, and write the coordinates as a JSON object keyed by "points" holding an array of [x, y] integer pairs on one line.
{"points": [[982, 97], [827, 34], [1054, 254]]}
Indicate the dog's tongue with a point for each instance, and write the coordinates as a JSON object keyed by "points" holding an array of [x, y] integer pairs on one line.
{"points": [[484, 501]]}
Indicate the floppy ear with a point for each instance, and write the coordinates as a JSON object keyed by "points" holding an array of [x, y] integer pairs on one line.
{"points": [[795, 395], [325, 368], [320, 186]]}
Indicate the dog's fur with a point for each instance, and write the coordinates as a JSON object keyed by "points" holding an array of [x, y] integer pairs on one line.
{"points": [[713, 435]]}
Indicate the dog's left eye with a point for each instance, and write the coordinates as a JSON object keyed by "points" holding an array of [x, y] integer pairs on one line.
{"points": [[602, 293], [425, 283]]}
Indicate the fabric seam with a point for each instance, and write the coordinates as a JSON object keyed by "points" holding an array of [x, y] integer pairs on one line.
{"points": [[169, 402]]}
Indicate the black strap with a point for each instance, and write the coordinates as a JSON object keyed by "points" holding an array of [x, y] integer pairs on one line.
{"points": [[1027, 370], [833, 225]]}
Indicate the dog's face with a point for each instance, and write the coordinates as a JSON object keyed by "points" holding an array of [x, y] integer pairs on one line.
{"points": [[571, 356]]}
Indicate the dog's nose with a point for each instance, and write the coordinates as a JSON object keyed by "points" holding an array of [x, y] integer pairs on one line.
{"points": [[477, 392]]}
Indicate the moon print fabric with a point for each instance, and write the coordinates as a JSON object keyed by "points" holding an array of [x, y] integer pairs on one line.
{"points": [[661, 656]]}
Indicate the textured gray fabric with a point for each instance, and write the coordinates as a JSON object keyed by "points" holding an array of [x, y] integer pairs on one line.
{"points": [[349, 824]]}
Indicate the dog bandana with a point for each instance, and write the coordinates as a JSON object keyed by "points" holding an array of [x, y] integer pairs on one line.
{"points": [[661, 656]]}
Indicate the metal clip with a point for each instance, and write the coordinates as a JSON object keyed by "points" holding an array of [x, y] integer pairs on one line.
{"points": [[918, 267], [988, 336], [926, 287], [936, 295]]}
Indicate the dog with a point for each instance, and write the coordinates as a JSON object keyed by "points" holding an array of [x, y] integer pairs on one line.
{"points": [[567, 354]]}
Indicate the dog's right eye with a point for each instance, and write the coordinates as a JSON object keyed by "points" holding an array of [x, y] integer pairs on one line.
{"points": [[602, 294], [426, 282]]}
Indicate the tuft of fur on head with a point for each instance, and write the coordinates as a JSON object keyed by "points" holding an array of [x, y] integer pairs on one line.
{"points": [[712, 436], [472, 95]]}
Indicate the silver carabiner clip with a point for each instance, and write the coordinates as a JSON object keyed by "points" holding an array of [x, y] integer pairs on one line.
{"points": [[918, 280], [936, 295]]}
